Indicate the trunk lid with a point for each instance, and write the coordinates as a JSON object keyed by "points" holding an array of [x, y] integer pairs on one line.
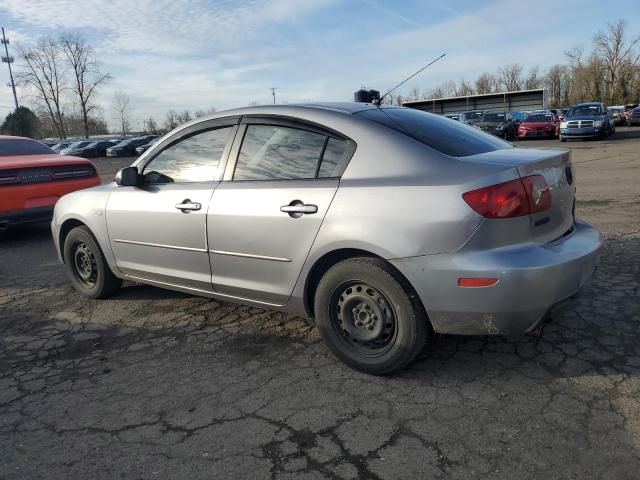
{"points": [[556, 168]]}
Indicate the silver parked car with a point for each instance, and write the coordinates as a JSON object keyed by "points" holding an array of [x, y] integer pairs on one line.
{"points": [[385, 224]]}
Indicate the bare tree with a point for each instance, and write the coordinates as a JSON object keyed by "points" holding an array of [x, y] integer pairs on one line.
{"points": [[184, 117], [533, 80], [464, 89], [486, 83], [201, 112], [86, 73], [614, 51], [171, 121], [558, 82], [121, 105], [510, 77], [151, 126], [43, 72]]}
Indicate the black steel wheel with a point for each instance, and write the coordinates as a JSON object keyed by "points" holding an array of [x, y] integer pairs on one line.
{"points": [[363, 317], [86, 266], [369, 316]]}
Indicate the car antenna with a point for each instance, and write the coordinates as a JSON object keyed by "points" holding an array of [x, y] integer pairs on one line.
{"points": [[379, 102]]}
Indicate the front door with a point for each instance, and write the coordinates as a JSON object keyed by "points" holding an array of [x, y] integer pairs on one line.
{"points": [[157, 230], [265, 216]]}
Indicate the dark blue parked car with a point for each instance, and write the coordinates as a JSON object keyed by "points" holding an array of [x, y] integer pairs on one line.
{"points": [[586, 120]]}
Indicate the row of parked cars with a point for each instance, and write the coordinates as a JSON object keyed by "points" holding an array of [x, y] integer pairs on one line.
{"points": [[585, 120], [114, 147]]}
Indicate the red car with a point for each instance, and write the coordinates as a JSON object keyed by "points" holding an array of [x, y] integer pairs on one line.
{"points": [[33, 177], [539, 125]]}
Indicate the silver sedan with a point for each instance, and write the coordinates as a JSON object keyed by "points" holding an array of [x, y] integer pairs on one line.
{"points": [[384, 224]]}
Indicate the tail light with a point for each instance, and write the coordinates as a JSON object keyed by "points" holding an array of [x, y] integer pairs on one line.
{"points": [[515, 198], [64, 173], [28, 176], [9, 178]]}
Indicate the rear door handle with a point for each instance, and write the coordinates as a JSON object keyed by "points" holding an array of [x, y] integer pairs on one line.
{"points": [[188, 206], [296, 209], [299, 209]]}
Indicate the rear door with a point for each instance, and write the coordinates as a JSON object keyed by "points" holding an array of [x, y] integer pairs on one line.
{"points": [[157, 230], [266, 214]]}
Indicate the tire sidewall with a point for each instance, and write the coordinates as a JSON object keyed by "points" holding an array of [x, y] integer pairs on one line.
{"points": [[82, 235], [410, 324]]}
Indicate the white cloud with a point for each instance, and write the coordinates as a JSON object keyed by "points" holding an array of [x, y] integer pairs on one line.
{"points": [[190, 54]]}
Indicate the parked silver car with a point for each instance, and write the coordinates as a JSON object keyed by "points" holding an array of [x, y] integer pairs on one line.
{"points": [[383, 223]]}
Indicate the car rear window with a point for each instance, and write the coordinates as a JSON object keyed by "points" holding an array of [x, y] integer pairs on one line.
{"points": [[451, 138], [19, 146]]}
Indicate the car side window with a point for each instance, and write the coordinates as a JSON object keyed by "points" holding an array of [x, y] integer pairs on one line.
{"points": [[336, 155], [273, 152], [192, 159]]}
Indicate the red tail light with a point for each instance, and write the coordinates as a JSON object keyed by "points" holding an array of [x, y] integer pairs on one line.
{"points": [[8, 178], [515, 198]]}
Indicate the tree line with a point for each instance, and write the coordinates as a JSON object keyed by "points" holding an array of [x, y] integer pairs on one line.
{"points": [[609, 72], [63, 75], [121, 106]]}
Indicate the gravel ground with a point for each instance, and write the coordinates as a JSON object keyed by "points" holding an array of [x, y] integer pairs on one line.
{"points": [[157, 384]]}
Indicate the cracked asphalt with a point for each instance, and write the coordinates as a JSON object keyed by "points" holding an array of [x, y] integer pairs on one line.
{"points": [[157, 384]]}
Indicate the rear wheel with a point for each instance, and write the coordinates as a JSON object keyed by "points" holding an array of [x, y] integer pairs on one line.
{"points": [[86, 266], [368, 318]]}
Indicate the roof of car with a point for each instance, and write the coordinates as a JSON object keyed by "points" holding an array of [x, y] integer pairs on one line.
{"points": [[291, 110]]}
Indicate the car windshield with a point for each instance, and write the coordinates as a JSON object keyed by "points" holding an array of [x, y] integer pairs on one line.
{"points": [[615, 110], [451, 138], [585, 110], [539, 117], [20, 146], [493, 117], [473, 115]]}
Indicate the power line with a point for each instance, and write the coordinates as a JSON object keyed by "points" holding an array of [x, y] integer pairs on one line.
{"points": [[9, 60]]}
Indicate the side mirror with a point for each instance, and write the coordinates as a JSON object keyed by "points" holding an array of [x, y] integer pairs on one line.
{"points": [[128, 177]]}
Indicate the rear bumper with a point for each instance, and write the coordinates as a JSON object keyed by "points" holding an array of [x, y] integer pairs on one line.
{"points": [[532, 280], [31, 215]]}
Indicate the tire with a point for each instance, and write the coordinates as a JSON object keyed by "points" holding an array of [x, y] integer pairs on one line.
{"points": [[86, 266], [562, 139], [367, 318]]}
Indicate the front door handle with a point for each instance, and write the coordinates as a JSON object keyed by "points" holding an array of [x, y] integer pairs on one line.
{"points": [[297, 208], [188, 206]]}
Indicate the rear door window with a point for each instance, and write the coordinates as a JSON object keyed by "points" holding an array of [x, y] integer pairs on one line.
{"points": [[274, 152], [451, 138]]}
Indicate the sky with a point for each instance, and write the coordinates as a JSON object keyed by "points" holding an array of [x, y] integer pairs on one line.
{"points": [[198, 54]]}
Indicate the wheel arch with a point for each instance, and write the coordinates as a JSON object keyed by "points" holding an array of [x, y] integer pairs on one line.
{"points": [[329, 259], [65, 228]]}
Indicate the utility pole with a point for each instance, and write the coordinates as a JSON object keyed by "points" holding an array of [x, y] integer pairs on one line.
{"points": [[9, 60], [273, 92]]}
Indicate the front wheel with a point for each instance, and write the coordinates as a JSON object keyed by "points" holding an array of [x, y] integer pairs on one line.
{"points": [[86, 266], [368, 318]]}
